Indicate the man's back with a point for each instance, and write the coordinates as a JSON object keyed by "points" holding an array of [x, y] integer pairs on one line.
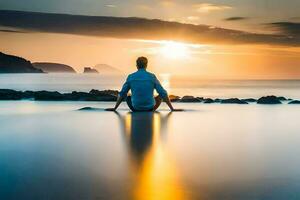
{"points": [[142, 84]]}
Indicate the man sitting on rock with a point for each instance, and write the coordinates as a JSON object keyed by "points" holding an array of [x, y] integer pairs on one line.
{"points": [[142, 84]]}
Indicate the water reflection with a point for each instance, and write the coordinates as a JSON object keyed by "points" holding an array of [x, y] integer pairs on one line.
{"points": [[152, 166]]}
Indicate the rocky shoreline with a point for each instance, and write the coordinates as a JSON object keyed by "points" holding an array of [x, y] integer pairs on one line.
{"points": [[111, 95]]}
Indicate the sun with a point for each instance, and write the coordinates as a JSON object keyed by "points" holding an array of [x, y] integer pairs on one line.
{"points": [[174, 50]]}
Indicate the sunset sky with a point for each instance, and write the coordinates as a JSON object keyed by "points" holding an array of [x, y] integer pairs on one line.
{"points": [[253, 39]]}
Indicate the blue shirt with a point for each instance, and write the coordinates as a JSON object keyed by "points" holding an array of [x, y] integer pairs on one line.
{"points": [[142, 85]]}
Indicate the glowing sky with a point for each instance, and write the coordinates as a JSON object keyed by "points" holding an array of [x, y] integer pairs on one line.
{"points": [[259, 39]]}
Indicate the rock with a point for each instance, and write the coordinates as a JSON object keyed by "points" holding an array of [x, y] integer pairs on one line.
{"points": [[6, 94], [282, 98], [53, 67], [294, 102], [233, 101], [14, 64], [217, 100], [107, 69], [76, 96], [105, 95], [104, 92], [48, 96], [90, 70], [208, 100], [86, 108], [28, 94], [249, 100], [190, 99], [174, 98], [269, 100]]}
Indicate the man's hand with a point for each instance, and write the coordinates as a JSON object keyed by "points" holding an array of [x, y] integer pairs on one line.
{"points": [[110, 109], [177, 110]]}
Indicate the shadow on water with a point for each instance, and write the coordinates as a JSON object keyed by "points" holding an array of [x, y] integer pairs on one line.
{"points": [[151, 164]]}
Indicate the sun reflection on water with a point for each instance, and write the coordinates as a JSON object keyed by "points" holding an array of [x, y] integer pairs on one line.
{"points": [[156, 176]]}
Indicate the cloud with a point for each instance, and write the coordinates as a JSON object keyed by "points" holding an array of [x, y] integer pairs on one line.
{"points": [[110, 6], [208, 7], [136, 28], [235, 18], [11, 31], [288, 28]]}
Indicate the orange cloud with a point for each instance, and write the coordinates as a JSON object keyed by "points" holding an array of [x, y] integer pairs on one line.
{"points": [[208, 7]]}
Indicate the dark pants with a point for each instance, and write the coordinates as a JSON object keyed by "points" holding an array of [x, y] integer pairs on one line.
{"points": [[157, 104]]}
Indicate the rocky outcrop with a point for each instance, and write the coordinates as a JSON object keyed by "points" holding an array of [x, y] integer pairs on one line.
{"points": [[294, 102], [14, 64], [190, 99], [208, 100], [233, 101], [249, 100], [93, 95], [269, 100], [90, 70], [53, 67], [174, 98], [6, 94], [112, 95]]}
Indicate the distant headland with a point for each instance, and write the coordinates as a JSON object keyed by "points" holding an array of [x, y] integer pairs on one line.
{"points": [[53, 67], [90, 70], [15, 64]]}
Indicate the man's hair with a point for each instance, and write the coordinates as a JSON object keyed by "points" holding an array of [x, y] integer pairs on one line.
{"points": [[141, 62]]}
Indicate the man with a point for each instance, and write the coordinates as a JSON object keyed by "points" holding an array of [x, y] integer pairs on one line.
{"points": [[142, 84]]}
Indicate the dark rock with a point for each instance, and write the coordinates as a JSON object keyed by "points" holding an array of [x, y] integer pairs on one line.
{"points": [[48, 96], [282, 98], [28, 94], [54, 67], [190, 99], [174, 98], [217, 100], [90, 70], [233, 101], [294, 102], [86, 108], [249, 100], [76, 96], [104, 92], [269, 100], [105, 95], [208, 100], [6, 94], [14, 64]]}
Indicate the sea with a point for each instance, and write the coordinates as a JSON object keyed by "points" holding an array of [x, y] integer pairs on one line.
{"points": [[54, 150], [181, 86]]}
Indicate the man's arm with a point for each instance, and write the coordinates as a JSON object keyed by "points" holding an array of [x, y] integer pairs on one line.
{"points": [[119, 101], [164, 95], [122, 95]]}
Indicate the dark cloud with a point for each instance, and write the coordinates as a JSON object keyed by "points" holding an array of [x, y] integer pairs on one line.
{"points": [[11, 31], [136, 28], [235, 18], [288, 28]]}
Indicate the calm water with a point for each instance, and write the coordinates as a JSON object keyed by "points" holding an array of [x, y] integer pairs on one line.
{"points": [[49, 150], [175, 85]]}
